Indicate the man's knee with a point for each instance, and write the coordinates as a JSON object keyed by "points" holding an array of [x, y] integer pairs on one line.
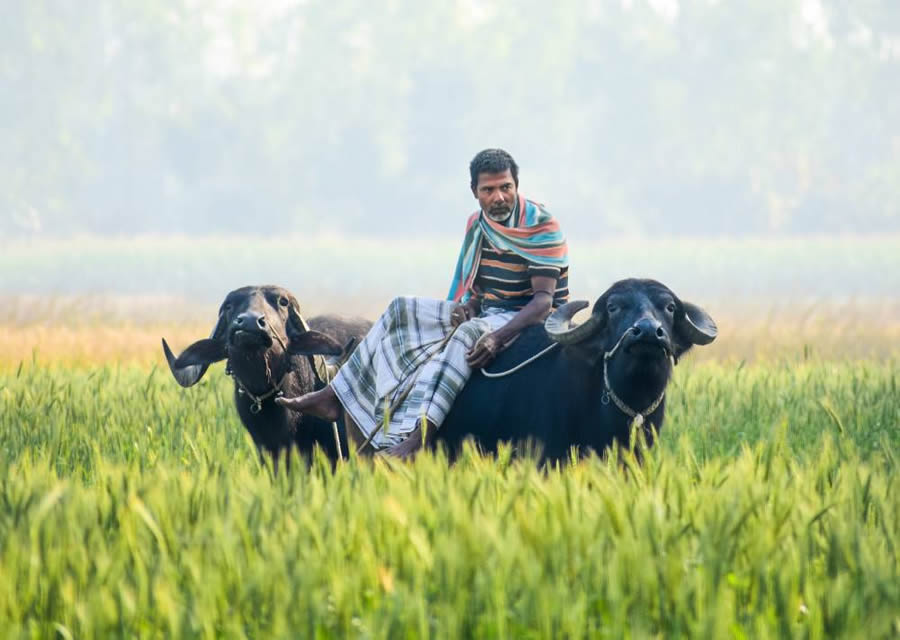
{"points": [[400, 303], [396, 309]]}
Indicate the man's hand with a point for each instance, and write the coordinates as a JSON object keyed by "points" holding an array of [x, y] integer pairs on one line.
{"points": [[459, 315], [464, 312], [484, 351]]}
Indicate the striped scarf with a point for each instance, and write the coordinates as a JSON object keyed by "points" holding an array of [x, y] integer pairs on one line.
{"points": [[533, 234]]}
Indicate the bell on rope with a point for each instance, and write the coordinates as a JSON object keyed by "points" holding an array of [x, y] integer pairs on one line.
{"points": [[638, 419]]}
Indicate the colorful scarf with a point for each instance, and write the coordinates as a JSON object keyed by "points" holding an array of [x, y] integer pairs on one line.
{"points": [[533, 234]]}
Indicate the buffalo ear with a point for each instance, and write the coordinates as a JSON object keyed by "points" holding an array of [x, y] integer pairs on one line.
{"points": [[304, 342], [314, 343], [206, 351], [189, 367]]}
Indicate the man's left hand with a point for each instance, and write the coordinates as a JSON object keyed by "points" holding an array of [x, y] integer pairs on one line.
{"points": [[484, 351]]}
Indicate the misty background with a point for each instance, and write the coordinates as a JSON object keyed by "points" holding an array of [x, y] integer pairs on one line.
{"points": [[731, 148]]}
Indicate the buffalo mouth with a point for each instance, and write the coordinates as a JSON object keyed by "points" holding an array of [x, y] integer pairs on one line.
{"points": [[648, 349], [249, 339]]}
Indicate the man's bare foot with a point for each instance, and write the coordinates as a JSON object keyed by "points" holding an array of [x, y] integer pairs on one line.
{"points": [[321, 404]]}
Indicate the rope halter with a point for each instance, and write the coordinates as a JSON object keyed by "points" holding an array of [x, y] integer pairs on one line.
{"points": [[637, 417], [256, 406]]}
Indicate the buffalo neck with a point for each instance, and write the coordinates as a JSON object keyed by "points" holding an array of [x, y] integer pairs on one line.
{"points": [[638, 384], [600, 423], [257, 372]]}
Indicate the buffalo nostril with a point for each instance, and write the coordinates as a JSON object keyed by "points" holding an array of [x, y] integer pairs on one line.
{"points": [[239, 321], [636, 331], [261, 322], [660, 333]]}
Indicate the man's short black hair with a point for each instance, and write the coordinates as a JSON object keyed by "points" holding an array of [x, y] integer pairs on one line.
{"points": [[492, 161]]}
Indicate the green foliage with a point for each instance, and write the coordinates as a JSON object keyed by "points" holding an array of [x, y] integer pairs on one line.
{"points": [[771, 508]]}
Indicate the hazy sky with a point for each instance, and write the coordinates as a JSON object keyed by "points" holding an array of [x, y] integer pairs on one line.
{"points": [[627, 116]]}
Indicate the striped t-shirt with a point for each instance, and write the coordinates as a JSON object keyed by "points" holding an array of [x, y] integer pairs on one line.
{"points": [[504, 278]]}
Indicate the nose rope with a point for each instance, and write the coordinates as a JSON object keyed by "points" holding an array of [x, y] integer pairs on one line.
{"points": [[637, 417]]}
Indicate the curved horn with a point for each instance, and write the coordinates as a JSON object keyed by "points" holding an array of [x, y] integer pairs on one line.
{"points": [[296, 324], [187, 375], [698, 326], [558, 324]]}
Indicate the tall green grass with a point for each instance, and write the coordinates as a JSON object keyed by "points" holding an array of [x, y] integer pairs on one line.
{"points": [[770, 508]]}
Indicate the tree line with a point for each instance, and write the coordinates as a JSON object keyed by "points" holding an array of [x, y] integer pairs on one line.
{"points": [[670, 116]]}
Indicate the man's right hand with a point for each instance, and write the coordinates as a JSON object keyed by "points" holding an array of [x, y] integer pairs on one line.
{"points": [[459, 315], [463, 312]]}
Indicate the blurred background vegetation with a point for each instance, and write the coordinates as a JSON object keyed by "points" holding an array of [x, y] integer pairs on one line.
{"points": [[309, 116]]}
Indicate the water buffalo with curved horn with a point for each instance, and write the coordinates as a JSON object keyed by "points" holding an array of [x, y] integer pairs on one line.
{"points": [[270, 349], [601, 377]]}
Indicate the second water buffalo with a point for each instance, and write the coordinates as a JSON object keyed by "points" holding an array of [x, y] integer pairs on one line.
{"points": [[270, 349]]}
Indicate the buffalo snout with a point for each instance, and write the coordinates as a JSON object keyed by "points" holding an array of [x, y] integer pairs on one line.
{"points": [[250, 329], [649, 336], [250, 321]]}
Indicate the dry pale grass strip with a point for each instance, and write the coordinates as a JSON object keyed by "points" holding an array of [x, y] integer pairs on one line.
{"points": [[826, 330], [738, 341], [92, 345], [96, 329]]}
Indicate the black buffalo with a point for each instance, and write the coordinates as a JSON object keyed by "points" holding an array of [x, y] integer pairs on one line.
{"points": [[271, 350], [601, 377]]}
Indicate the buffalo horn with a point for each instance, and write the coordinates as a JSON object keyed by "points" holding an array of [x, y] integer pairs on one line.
{"points": [[185, 376], [189, 375], [558, 325]]}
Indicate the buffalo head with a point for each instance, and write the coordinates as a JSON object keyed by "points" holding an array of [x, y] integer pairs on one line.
{"points": [[257, 328], [639, 329]]}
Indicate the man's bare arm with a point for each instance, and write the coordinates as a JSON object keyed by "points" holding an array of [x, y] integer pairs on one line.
{"points": [[535, 312]]}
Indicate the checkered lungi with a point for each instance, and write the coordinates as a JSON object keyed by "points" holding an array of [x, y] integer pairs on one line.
{"points": [[411, 364]]}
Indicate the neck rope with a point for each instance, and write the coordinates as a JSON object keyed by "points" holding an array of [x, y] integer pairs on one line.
{"points": [[256, 405], [242, 390], [637, 417]]}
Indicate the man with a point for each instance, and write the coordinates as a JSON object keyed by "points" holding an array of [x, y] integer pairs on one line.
{"points": [[512, 270]]}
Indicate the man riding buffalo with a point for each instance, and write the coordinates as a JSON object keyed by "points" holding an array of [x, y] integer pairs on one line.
{"points": [[401, 381]]}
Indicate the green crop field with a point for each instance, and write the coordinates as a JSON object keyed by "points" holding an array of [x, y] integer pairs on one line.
{"points": [[129, 507], [770, 508]]}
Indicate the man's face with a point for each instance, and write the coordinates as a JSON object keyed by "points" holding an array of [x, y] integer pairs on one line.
{"points": [[496, 193]]}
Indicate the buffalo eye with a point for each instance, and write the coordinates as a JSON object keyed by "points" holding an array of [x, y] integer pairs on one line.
{"points": [[611, 309], [283, 301], [670, 307]]}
